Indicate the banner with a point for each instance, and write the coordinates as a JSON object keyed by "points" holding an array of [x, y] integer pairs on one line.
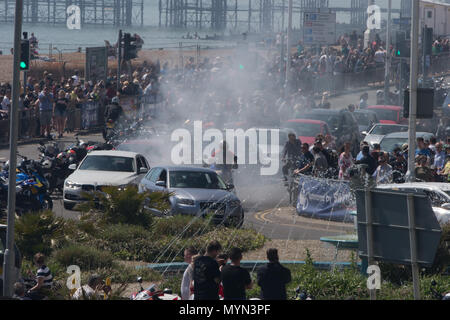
{"points": [[129, 105], [89, 114], [325, 199]]}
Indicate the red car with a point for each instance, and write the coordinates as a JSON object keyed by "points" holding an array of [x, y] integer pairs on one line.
{"points": [[389, 114], [307, 130]]}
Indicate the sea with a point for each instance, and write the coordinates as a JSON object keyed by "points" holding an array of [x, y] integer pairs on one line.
{"points": [[65, 40]]}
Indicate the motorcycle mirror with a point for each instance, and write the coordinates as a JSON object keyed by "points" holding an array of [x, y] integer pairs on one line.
{"points": [[139, 279], [73, 166]]}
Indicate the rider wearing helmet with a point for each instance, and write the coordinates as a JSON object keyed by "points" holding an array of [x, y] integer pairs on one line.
{"points": [[224, 160], [113, 111]]}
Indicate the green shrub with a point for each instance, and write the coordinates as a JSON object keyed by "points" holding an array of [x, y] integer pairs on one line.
{"points": [[125, 205], [86, 257], [442, 258], [123, 232], [34, 232], [186, 226], [245, 239]]}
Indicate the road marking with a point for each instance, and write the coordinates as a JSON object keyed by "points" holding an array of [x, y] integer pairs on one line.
{"points": [[261, 216]]}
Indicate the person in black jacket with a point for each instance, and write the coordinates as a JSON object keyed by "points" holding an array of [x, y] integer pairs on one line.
{"points": [[368, 160], [273, 277]]}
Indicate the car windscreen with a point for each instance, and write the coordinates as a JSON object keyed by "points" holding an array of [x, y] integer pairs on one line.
{"points": [[385, 114], [384, 130], [108, 163], [304, 129], [389, 144], [195, 179]]}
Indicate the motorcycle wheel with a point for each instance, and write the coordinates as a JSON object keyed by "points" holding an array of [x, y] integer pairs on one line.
{"points": [[47, 204]]}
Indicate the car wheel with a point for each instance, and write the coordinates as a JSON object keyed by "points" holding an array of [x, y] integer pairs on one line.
{"points": [[236, 221], [69, 206]]}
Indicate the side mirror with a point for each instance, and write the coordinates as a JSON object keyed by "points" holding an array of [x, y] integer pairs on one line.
{"points": [[139, 279], [230, 187], [446, 206], [364, 133], [73, 166], [142, 170], [161, 183]]}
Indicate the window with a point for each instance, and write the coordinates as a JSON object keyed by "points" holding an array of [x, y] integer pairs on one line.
{"points": [[154, 174], [429, 14], [163, 176]]}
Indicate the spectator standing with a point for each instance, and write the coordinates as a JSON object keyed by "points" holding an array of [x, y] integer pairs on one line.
{"points": [[422, 171], [363, 104], [207, 274], [383, 174], [45, 111], [439, 158], [188, 273], [235, 279], [345, 162], [60, 112], [320, 163], [273, 278], [368, 160]]}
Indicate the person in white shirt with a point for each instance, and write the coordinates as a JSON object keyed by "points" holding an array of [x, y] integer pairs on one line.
{"points": [[6, 103], [383, 174], [94, 290], [188, 274], [380, 56]]}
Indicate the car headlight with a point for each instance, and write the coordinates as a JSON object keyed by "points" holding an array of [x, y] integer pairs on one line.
{"points": [[234, 203], [186, 202], [72, 185], [122, 187]]}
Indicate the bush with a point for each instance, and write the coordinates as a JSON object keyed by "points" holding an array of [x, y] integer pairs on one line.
{"points": [[245, 239], [442, 258], [125, 205], [34, 232], [124, 233], [186, 226], [87, 258]]}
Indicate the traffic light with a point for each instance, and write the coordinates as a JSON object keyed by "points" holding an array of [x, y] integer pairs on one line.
{"points": [[129, 47], [425, 103], [402, 46], [25, 55]]}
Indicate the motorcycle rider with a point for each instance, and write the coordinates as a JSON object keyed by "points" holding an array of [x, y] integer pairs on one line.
{"points": [[293, 150], [221, 161], [113, 113]]}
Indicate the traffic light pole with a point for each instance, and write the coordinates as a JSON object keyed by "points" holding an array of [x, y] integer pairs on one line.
{"points": [[388, 56], [8, 263], [119, 59], [413, 94]]}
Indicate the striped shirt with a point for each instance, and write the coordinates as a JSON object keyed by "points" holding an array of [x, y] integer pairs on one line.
{"points": [[44, 272]]}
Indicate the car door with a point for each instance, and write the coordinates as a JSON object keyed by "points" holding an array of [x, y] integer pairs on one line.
{"points": [[162, 177], [151, 178]]}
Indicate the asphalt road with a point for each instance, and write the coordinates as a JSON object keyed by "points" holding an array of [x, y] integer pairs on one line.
{"points": [[265, 202]]}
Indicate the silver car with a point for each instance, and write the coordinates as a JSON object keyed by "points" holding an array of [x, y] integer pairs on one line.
{"points": [[196, 192], [379, 130]]}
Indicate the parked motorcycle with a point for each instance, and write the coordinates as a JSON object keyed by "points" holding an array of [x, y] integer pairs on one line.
{"points": [[152, 294]]}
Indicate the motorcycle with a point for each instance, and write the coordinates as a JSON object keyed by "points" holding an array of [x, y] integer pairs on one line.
{"points": [[437, 295], [152, 294]]}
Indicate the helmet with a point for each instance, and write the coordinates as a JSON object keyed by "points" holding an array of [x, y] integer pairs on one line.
{"points": [[115, 100], [47, 164]]}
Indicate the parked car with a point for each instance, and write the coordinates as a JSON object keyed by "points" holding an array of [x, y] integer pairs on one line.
{"points": [[307, 130], [397, 139], [379, 130], [366, 119], [341, 123], [196, 192], [389, 114], [446, 105], [103, 168], [17, 257], [438, 192]]}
